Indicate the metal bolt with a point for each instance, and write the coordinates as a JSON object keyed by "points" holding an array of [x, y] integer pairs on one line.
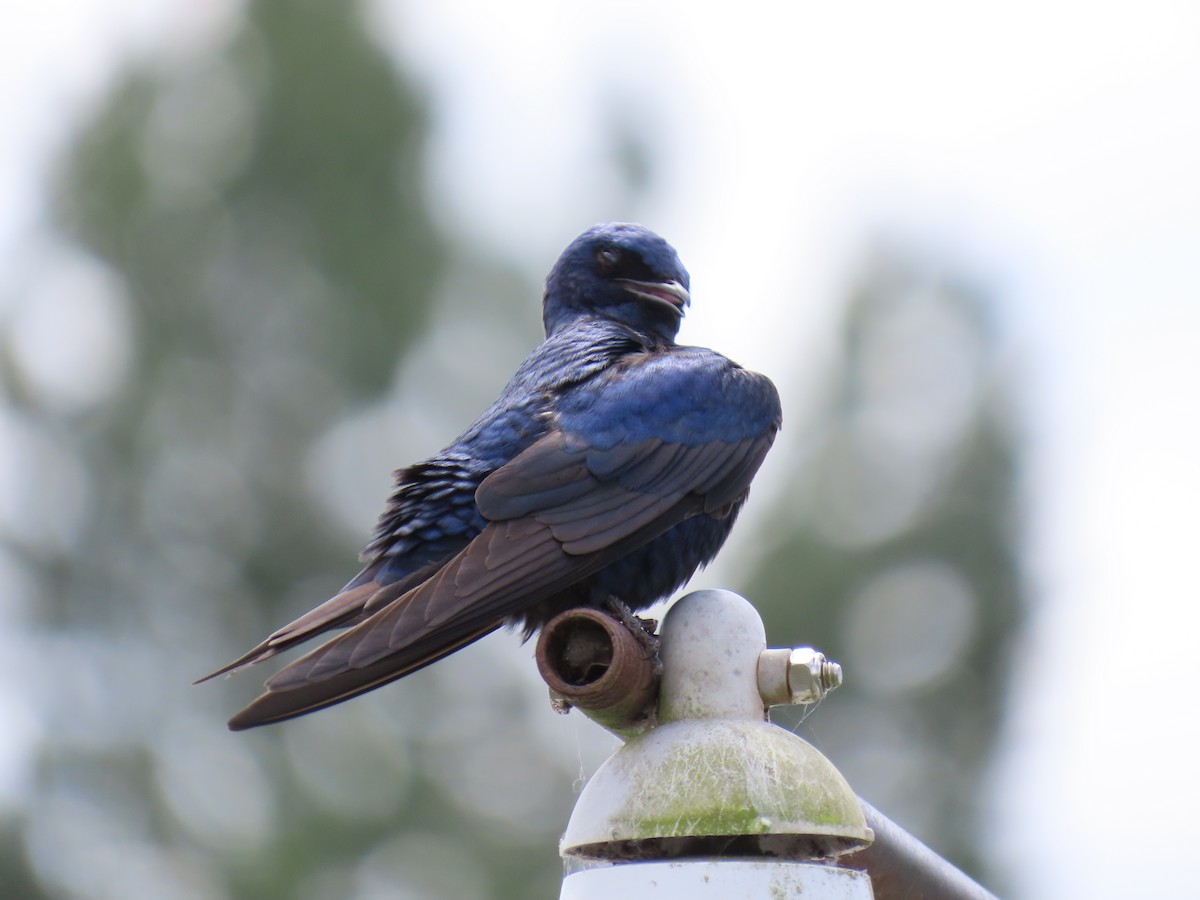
{"points": [[800, 676], [810, 675]]}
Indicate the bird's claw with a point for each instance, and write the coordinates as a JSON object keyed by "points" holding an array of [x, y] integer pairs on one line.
{"points": [[643, 630]]}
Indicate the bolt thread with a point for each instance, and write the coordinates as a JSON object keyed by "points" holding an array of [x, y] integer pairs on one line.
{"points": [[831, 675]]}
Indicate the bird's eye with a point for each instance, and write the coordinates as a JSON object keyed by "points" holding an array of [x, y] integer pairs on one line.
{"points": [[608, 257]]}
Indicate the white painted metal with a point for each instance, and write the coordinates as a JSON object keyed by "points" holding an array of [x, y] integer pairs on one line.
{"points": [[732, 879]]}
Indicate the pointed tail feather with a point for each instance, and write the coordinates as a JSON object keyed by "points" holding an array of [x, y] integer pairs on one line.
{"points": [[340, 610], [348, 607], [277, 706]]}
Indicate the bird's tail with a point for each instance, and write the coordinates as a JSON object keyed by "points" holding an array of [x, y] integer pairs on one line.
{"points": [[278, 705], [354, 603]]}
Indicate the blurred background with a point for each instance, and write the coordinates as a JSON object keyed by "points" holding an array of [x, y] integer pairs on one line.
{"points": [[255, 255]]}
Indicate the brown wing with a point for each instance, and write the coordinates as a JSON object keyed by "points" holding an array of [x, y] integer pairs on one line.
{"points": [[347, 607], [438, 493], [560, 511]]}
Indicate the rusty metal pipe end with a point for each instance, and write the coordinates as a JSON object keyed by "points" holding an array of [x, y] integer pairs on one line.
{"points": [[593, 662]]}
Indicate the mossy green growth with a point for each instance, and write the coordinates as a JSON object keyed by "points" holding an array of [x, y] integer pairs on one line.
{"points": [[716, 777], [741, 778]]}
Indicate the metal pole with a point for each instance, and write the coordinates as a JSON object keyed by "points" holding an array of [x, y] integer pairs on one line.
{"points": [[655, 814], [706, 798], [902, 868]]}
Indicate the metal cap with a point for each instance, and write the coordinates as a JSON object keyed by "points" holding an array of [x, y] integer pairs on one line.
{"points": [[714, 777]]}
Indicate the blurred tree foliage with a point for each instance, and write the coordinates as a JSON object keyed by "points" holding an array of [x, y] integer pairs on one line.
{"points": [[261, 206], [895, 551]]}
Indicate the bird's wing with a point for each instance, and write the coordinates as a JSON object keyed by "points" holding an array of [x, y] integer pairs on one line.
{"points": [[430, 517], [351, 605], [586, 493]]}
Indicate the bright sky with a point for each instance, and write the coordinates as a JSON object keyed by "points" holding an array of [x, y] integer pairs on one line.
{"points": [[1054, 145]]}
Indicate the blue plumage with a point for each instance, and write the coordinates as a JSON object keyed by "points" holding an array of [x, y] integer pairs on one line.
{"points": [[610, 468]]}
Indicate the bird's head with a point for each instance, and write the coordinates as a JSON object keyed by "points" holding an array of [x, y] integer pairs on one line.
{"points": [[622, 272]]}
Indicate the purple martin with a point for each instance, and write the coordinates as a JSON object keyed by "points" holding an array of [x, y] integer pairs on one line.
{"points": [[610, 468]]}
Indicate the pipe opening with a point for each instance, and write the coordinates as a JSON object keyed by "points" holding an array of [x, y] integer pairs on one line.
{"points": [[582, 654]]}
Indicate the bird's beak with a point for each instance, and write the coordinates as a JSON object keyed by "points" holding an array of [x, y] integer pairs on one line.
{"points": [[672, 294]]}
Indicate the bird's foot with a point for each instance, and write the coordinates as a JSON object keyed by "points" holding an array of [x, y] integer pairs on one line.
{"points": [[642, 629]]}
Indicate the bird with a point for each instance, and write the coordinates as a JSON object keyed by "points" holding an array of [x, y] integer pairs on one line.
{"points": [[610, 468]]}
